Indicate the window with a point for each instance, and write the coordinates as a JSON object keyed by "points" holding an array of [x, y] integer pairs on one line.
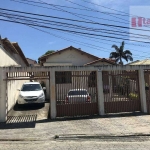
{"points": [[63, 77], [31, 87], [77, 92]]}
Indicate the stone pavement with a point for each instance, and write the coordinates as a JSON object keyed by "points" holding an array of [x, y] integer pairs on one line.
{"points": [[98, 126], [112, 132], [86, 145]]}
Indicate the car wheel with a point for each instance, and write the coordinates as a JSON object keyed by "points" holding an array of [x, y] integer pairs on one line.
{"points": [[18, 105]]}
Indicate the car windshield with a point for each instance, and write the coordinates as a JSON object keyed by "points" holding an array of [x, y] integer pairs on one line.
{"points": [[31, 87], [77, 93]]}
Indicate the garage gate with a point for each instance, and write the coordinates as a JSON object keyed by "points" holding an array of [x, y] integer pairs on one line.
{"points": [[73, 105], [15, 81], [147, 88], [121, 91]]}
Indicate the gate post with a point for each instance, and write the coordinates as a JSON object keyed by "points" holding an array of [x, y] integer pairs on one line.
{"points": [[100, 93], [142, 91], [3, 88], [52, 95]]}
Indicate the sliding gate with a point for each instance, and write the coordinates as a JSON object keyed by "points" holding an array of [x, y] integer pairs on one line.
{"points": [[147, 88], [76, 93], [121, 91]]}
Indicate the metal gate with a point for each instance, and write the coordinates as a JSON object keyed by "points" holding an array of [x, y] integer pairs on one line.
{"points": [[121, 91], [20, 77], [76, 93], [147, 89]]}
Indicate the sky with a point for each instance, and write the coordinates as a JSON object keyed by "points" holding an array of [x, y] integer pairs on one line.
{"points": [[35, 43]]}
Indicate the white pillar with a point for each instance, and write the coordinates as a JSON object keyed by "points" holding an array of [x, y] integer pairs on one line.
{"points": [[52, 95], [142, 91], [3, 88], [100, 93]]}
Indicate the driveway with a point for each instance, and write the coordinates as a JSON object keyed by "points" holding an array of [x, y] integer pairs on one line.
{"points": [[27, 113]]}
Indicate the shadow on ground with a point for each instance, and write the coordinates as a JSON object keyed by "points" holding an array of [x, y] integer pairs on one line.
{"points": [[14, 122], [29, 121], [26, 107], [92, 117]]}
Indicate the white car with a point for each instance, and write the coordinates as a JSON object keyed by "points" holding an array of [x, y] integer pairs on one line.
{"points": [[31, 92], [75, 96]]}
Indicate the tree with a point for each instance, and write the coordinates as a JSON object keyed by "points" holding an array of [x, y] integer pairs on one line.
{"points": [[121, 54], [49, 52]]}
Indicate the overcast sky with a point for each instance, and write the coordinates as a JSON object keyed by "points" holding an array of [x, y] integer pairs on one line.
{"points": [[35, 43]]}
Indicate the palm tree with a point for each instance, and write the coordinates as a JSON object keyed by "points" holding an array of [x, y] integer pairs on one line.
{"points": [[120, 53]]}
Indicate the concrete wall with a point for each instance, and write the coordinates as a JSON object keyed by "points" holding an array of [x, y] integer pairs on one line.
{"points": [[6, 59], [52, 70], [70, 57], [12, 92], [10, 58]]}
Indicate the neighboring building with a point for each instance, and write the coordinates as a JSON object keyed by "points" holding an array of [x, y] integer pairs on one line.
{"points": [[146, 72], [72, 56], [31, 62], [11, 54], [102, 61], [140, 62]]}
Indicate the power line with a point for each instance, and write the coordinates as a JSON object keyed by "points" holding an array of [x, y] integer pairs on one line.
{"points": [[110, 8], [47, 16], [81, 43], [93, 9], [75, 26], [63, 6], [58, 9], [84, 33], [87, 37], [74, 20], [74, 13], [107, 39]]}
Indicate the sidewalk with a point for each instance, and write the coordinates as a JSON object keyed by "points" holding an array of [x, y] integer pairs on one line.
{"points": [[92, 127]]}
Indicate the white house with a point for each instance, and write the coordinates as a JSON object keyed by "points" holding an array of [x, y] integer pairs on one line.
{"points": [[72, 56], [12, 55]]}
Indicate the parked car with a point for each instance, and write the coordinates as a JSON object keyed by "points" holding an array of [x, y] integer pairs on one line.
{"points": [[78, 96], [31, 92]]}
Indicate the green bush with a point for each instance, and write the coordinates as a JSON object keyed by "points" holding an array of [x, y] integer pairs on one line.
{"points": [[133, 95]]}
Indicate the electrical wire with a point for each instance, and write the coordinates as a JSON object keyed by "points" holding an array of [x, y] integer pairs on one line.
{"points": [[76, 26]]}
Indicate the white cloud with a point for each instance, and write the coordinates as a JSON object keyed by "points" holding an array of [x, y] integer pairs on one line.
{"points": [[50, 43], [112, 4], [120, 5]]}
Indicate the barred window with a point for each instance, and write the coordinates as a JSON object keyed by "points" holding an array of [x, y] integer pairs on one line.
{"points": [[63, 77]]}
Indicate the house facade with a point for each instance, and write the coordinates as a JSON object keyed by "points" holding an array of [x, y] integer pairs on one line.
{"points": [[72, 56], [140, 62], [12, 55], [32, 62]]}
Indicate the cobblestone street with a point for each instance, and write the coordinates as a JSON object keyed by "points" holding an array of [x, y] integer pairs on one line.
{"points": [[111, 132], [88, 145]]}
